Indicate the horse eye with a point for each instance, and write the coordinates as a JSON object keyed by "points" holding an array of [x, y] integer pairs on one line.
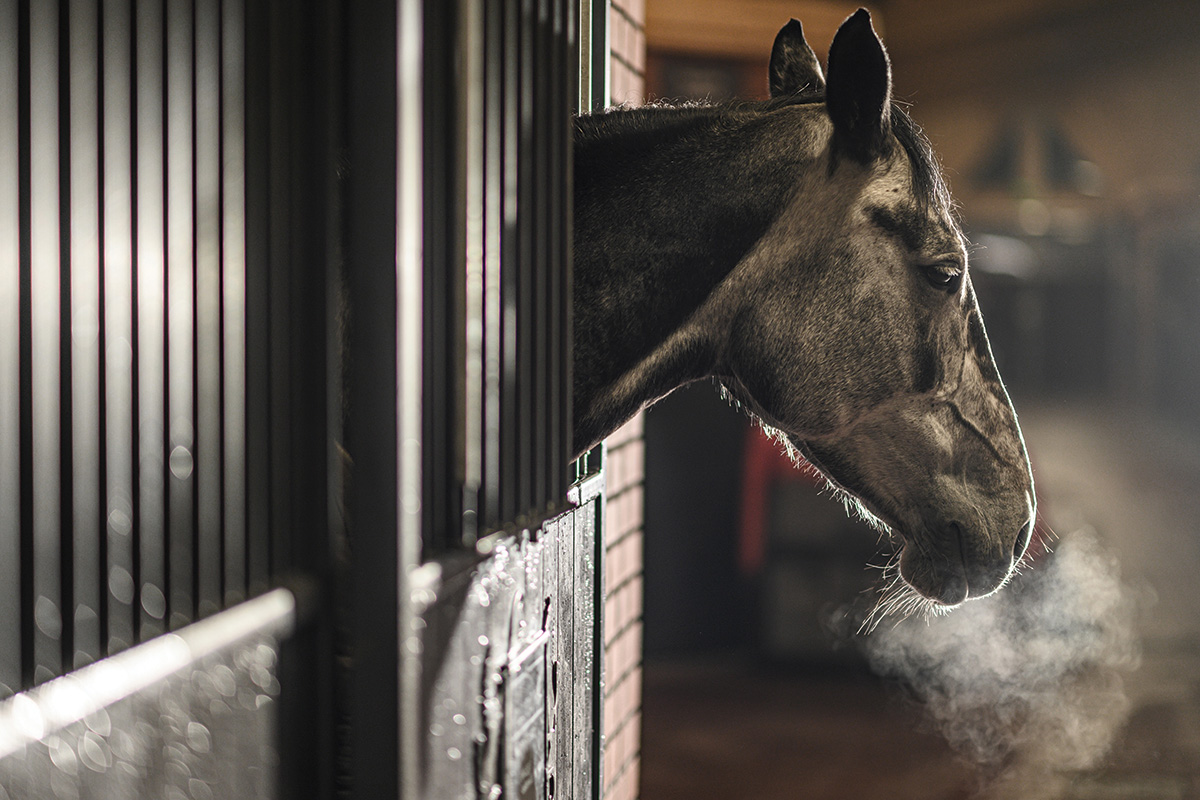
{"points": [[948, 279]]}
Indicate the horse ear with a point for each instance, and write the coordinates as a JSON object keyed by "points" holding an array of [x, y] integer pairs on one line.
{"points": [[859, 95], [794, 66]]}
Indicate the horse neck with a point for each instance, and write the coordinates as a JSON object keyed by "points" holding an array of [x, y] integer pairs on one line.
{"points": [[667, 202]]}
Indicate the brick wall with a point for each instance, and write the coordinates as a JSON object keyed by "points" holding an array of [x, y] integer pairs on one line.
{"points": [[624, 472], [627, 51], [623, 612]]}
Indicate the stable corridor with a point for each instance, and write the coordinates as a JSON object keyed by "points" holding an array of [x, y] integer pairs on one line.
{"points": [[732, 727]]}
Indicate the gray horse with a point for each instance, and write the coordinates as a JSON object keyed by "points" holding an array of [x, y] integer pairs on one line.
{"points": [[804, 251]]}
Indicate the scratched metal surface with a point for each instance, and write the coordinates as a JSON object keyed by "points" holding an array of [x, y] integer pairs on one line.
{"points": [[511, 668]]}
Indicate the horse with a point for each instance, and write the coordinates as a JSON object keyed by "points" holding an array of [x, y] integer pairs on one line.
{"points": [[804, 252]]}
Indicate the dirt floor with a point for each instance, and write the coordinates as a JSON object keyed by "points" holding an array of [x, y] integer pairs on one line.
{"points": [[733, 728]]}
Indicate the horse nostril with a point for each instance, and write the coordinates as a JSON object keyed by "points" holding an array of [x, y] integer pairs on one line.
{"points": [[1023, 540]]}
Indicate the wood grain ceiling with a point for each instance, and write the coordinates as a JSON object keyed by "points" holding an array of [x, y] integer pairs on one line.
{"points": [[938, 46], [741, 29]]}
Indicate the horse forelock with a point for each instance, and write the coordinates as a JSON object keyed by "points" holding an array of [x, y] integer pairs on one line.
{"points": [[929, 189]]}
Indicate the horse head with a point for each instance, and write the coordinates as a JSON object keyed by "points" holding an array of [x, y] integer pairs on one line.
{"points": [[857, 336]]}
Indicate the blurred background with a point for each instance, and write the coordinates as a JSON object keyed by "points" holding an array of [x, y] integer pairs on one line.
{"points": [[1069, 131]]}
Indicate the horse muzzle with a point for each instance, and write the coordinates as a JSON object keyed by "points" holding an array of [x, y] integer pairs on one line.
{"points": [[956, 563]]}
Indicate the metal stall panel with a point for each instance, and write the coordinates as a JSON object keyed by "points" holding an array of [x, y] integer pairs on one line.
{"points": [[509, 705], [127, 299], [169, 394], [504, 632], [497, 264]]}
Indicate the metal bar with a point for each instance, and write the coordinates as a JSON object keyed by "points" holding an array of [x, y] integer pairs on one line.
{"points": [[409, 369], [556, 263], [87, 563], [208, 306], [575, 37], [443, 449], [510, 407], [151, 521], [570, 100], [526, 217], [121, 617], [543, 179], [180, 312], [82, 695], [233, 298], [583, 92], [10, 355], [257, 331], [282, 295], [599, 52], [471, 114], [492, 262], [45, 309]]}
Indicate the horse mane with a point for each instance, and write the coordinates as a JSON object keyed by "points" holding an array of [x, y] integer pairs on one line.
{"points": [[929, 185]]}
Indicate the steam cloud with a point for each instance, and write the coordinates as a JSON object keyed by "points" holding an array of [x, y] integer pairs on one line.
{"points": [[1028, 683]]}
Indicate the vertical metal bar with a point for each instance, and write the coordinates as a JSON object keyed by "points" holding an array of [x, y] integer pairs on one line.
{"points": [[282, 296], [208, 306], [233, 296], [118, 327], [409, 362], [570, 100], [257, 288], [556, 264], [471, 95], [543, 178], [575, 38], [510, 408], [45, 310], [598, 50], [584, 89], [151, 320], [10, 356], [444, 254], [85, 329], [526, 217], [180, 310], [493, 222]]}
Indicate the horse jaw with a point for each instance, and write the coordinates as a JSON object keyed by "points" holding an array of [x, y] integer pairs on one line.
{"points": [[947, 473]]}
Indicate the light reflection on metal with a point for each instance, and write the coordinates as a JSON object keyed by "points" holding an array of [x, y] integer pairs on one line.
{"points": [[208, 305], [45, 319], [210, 689], [118, 317], [471, 115], [85, 328], [10, 327], [151, 288], [180, 298], [493, 223], [409, 357], [233, 287]]}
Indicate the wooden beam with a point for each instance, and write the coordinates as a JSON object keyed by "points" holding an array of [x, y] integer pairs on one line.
{"points": [[744, 29]]}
